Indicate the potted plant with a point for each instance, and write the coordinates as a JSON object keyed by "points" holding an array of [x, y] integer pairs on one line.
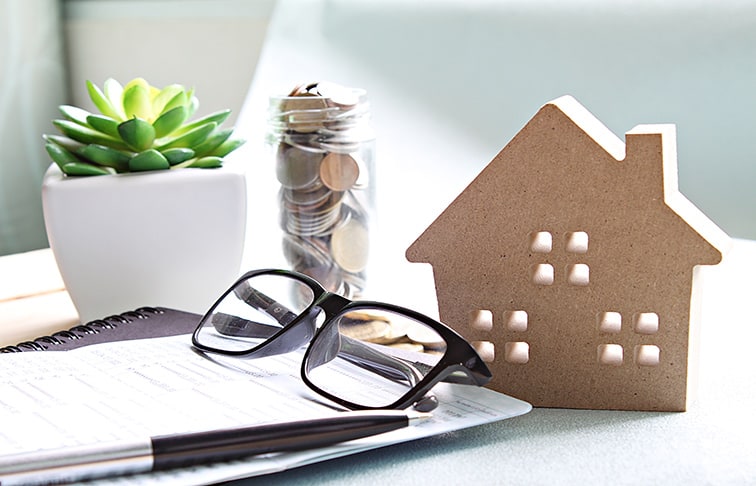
{"points": [[139, 206]]}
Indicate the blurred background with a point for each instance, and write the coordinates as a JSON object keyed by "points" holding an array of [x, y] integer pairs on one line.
{"points": [[451, 81], [49, 48]]}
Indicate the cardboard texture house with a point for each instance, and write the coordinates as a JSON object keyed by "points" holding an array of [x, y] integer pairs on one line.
{"points": [[570, 262]]}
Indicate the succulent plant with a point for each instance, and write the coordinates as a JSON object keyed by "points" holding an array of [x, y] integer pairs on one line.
{"points": [[139, 128]]}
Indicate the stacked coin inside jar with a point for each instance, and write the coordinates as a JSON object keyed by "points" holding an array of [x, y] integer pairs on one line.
{"points": [[324, 160]]}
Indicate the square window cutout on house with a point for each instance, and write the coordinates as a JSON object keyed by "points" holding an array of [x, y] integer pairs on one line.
{"points": [[610, 354], [486, 350], [646, 323], [610, 322], [578, 274], [516, 320], [647, 355], [540, 242], [577, 242], [542, 274], [482, 320], [517, 352]]}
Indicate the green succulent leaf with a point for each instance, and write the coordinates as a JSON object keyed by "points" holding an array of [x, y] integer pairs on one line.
{"points": [[101, 101], [179, 99], [102, 155], [178, 155], [193, 103], [191, 138], [218, 117], [150, 159], [169, 121], [138, 127], [82, 169], [160, 103], [136, 100], [87, 135], [227, 147], [114, 93], [137, 133], [60, 155], [207, 162], [212, 142], [65, 142], [104, 124], [75, 114]]}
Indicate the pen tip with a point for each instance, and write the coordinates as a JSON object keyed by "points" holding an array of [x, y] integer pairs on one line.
{"points": [[417, 416]]}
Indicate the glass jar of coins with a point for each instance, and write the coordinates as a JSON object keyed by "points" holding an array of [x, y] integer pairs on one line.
{"points": [[324, 161]]}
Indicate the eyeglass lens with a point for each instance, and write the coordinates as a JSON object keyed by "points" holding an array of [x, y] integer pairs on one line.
{"points": [[253, 311], [372, 356]]}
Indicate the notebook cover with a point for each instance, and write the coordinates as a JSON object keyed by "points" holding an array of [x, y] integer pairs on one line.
{"points": [[145, 322]]}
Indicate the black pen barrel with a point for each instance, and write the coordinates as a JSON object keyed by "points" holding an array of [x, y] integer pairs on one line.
{"points": [[223, 445]]}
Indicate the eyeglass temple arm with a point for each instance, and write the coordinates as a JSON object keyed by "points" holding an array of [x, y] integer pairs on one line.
{"points": [[262, 302], [355, 351], [389, 366], [399, 368], [239, 327], [362, 354], [230, 325]]}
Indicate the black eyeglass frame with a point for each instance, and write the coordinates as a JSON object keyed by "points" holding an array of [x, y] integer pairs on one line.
{"points": [[459, 355]]}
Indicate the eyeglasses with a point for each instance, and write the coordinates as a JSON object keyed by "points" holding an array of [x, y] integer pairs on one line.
{"points": [[359, 354]]}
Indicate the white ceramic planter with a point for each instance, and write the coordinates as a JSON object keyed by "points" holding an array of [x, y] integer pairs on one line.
{"points": [[165, 238]]}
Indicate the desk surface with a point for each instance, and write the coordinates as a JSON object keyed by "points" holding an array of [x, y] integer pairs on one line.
{"points": [[33, 299], [712, 443]]}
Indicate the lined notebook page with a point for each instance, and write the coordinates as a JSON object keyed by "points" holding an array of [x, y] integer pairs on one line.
{"points": [[136, 389]]}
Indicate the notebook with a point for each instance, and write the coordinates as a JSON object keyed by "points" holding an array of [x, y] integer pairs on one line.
{"points": [[135, 375], [141, 323]]}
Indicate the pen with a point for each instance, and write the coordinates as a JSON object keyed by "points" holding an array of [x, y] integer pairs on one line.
{"points": [[176, 450]]}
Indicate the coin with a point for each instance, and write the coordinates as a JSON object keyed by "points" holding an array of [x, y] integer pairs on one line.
{"points": [[350, 246], [339, 171], [364, 330], [296, 168], [426, 336], [312, 194], [329, 279], [397, 332], [356, 317], [337, 94], [315, 219], [414, 347], [298, 89], [305, 113]]}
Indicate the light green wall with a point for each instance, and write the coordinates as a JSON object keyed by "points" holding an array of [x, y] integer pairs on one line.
{"points": [[32, 84]]}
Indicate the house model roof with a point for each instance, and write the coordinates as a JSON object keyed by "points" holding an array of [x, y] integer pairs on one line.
{"points": [[569, 262]]}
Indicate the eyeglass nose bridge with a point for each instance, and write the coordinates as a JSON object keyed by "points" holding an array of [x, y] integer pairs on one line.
{"points": [[295, 335], [331, 304]]}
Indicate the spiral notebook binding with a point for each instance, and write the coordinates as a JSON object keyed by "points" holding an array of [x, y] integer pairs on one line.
{"points": [[96, 326]]}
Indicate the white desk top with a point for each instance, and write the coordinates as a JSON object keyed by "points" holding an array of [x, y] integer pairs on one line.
{"points": [[33, 299], [712, 443]]}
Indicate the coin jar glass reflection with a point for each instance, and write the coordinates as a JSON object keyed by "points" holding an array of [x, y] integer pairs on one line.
{"points": [[324, 158]]}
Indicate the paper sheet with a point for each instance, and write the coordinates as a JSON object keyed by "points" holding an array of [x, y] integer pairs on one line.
{"points": [[138, 389]]}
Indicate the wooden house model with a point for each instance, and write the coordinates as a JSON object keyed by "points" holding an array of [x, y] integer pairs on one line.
{"points": [[570, 262]]}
